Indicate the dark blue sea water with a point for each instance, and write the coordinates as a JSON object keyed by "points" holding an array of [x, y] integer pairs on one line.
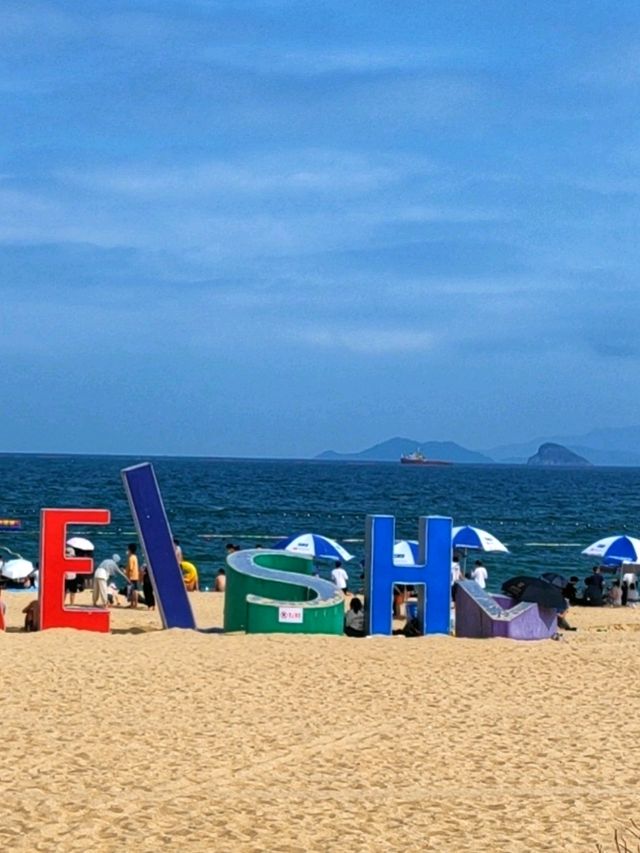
{"points": [[545, 516]]}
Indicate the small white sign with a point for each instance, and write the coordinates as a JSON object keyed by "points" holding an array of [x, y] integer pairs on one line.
{"points": [[290, 614]]}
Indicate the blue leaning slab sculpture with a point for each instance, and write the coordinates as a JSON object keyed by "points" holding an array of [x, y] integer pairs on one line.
{"points": [[154, 532], [431, 576]]}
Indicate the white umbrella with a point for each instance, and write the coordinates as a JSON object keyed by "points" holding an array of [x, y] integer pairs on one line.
{"points": [[17, 570], [615, 550], [80, 543]]}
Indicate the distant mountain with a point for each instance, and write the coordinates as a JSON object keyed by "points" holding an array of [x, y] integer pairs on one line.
{"points": [[555, 455], [392, 449], [609, 446]]}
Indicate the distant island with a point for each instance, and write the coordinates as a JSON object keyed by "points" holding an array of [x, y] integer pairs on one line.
{"points": [[557, 456], [616, 446], [394, 448]]}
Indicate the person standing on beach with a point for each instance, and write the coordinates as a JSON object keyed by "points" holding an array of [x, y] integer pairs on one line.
{"points": [[340, 578], [101, 576], [71, 581], [480, 574], [133, 573], [147, 588], [178, 550]]}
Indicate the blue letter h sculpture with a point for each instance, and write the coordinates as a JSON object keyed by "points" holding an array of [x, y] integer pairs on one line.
{"points": [[431, 575]]}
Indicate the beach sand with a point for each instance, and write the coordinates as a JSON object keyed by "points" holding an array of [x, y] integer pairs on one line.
{"points": [[170, 740]]}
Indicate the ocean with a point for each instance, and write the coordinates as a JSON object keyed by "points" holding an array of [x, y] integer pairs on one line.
{"points": [[544, 516]]}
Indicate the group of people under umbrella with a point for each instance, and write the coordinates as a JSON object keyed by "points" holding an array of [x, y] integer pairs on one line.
{"points": [[550, 590]]}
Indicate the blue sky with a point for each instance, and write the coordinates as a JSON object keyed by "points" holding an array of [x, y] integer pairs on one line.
{"points": [[270, 228]]}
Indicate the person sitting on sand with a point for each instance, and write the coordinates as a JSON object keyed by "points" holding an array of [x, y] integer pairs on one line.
{"points": [[615, 594], [112, 595], [632, 594], [220, 583], [354, 619], [189, 576], [570, 591], [32, 616]]}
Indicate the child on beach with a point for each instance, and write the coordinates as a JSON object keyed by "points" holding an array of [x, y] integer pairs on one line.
{"points": [[32, 616], [354, 620]]}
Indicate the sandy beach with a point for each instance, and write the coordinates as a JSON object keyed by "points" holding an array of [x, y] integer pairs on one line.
{"points": [[148, 740]]}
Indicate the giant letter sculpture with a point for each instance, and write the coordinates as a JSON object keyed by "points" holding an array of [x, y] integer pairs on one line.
{"points": [[54, 564], [431, 575], [153, 528], [272, 592]]}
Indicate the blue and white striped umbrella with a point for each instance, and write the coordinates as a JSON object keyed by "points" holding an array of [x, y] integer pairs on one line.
{"points": [[614, 550], [314, 545], [405, 552], [475, 539]]}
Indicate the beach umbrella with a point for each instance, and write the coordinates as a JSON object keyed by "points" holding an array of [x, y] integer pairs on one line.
{"points": [[17, 570], [314, 545], [555, 579], [405, 552], [475, 539], [536, 590], [80, 543], [614, 550], [468, 538]]}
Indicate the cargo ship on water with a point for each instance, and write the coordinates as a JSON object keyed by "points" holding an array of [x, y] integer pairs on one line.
{"points": [[418, 458]]}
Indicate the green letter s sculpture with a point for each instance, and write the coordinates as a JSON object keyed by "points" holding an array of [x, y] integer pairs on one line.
{"points": [[274, 592]]}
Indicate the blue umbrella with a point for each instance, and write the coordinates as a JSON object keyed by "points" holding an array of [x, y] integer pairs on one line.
{"points": [[314, 545], [406, 552], [615, 550], [476, 539]]}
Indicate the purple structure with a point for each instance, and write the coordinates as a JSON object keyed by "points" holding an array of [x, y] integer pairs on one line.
{"points": [[481, 614]]}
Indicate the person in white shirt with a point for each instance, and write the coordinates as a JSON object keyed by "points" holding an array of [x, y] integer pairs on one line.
{"points": [[456, 571], [480, 574], [340, 577]]}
